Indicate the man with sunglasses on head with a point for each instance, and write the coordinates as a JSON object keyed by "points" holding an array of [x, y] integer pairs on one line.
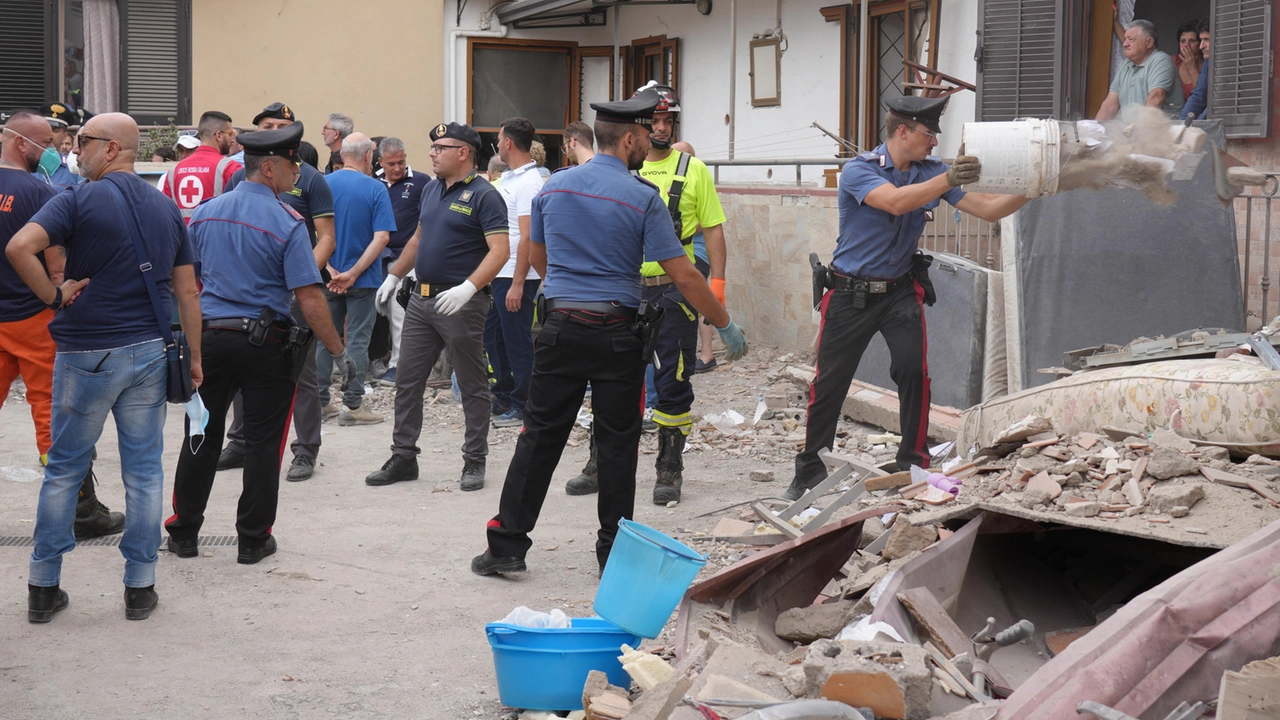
{"points": [[878, 281], [459, 247], [207, 171]]}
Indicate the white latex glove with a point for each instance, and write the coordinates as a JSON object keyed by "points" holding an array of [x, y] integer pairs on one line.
{"points": [[451, 301], [387, 293]]}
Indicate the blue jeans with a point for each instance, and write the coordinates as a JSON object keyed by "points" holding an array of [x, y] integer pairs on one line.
{"points": [[509, 342], [129, 383], [356, 308]]}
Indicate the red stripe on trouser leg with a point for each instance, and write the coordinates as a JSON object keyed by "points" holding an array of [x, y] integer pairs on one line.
{"points": [[922, 436], [817, 345], [284, 439]]}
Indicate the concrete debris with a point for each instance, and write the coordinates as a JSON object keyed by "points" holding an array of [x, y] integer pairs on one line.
{"points": [[1083, 509], [1169, 439], [1167, 462], [1165, 498], [761, 476], [815, 622], [1023, 429], [1032, 499], [646, 669], [905, 538], [893, 679]]}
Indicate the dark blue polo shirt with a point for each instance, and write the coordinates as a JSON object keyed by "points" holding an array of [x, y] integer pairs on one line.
{"points": [[599, 223], [311, 197], [21, 196], [114, 310], [456, 222], [406, 199], [874, 243]]}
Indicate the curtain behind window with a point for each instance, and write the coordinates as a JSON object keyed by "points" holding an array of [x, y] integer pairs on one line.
{"points": [[102, 56]]}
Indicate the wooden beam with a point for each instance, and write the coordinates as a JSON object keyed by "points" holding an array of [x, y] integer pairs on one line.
{"points": [[935, 621]]}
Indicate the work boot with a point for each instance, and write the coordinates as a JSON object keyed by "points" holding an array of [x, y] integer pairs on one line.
{"points": [[670, 465], [301, 468], [93, 519], [43, 602], [139, 602], [230, 459], [472, 474], [250, 553], [490, 564], [397, 469], [799, 487], [588, 481]]}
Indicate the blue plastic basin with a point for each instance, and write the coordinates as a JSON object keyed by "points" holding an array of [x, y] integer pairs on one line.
{"points": [[645, 578], [545, 668]]}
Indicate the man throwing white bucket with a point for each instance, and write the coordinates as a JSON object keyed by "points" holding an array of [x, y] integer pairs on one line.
{"points": [[878, 281]]}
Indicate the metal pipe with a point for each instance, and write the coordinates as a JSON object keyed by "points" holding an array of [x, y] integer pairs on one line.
{"points": [[1235, 231], [766, 162], [733, 75], [863, 62], [1266, 260], [617, 62], [451, 103]]}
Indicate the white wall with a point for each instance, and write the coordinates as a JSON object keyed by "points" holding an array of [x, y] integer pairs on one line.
{"points": [[957, 41], [810, 72]]}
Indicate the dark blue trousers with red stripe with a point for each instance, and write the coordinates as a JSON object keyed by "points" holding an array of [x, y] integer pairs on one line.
{"points": [[899, 317]]}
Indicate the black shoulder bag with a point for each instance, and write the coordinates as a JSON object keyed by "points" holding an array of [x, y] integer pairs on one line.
{"points": [[177, 353]]}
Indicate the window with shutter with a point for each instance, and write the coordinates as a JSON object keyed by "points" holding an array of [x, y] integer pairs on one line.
{"points": [[1020, 59], [28, 54], [1240, 66], [155, 60]]}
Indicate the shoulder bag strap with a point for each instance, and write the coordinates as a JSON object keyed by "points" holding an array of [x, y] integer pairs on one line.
{"points": [[673, 196], [148, 276]]}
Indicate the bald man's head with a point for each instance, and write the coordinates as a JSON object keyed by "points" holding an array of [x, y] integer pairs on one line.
{"points": [[107, 143], [684, 147], [24, 139]]}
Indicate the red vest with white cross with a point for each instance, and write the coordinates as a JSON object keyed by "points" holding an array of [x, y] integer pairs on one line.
{"points": [[200, 177]]}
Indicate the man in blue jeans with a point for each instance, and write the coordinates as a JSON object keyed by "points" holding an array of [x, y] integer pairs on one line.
{"points": [[110, 356], [510, 346], [363, 223]]}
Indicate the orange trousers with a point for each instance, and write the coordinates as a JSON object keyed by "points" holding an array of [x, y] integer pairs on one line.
{"points": [[27, 349]]}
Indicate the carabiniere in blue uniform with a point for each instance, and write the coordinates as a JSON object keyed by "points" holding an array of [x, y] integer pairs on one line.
{"points": [[589, 231], [253, 251]]}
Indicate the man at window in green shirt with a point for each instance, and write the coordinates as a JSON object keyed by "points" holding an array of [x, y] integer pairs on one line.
{"points": [[1146, 77]]}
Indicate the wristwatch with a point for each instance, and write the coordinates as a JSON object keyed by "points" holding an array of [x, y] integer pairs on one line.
{"points": [[57, 299]]}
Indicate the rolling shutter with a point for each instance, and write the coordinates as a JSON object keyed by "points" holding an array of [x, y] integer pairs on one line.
{"points": [[1240, 67], [155, 60], [1019, 59], [28, 54]]}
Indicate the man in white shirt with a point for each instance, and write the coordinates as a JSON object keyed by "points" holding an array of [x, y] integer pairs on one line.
{"points": [[509, 331]]}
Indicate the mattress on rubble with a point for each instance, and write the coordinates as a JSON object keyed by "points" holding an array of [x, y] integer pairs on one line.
{"points": [[1229, 402], [963, 337], [1089, 267]]}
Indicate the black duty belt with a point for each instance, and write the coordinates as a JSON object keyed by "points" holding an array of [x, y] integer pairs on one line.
{"points": [[872, 286], [656, 280], [592, 308], [277, 331], [430, 290]]}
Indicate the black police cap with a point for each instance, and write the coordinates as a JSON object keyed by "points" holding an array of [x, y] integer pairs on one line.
{"points": [[59, 115], [282, 143], [926, 111], [277, 110], [457, 131], [82, 116], [638, 110]]}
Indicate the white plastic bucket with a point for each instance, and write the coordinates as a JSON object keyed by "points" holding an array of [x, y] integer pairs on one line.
{"points": [[1018, 158]]}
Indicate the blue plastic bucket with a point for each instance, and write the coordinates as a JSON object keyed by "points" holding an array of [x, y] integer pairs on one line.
{"points": [[545, 668], [645, 578]]}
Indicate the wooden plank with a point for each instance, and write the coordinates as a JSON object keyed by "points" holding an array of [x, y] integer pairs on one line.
{"points": [[937, 624], [913, 490], [835, 458], [898, 479], [1251, 694], [770, 517], [728, 527], [949, 667]]}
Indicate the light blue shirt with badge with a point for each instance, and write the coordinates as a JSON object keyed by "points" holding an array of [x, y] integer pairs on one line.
{"points": [[599, 223], [253, 250], [874, 243]]}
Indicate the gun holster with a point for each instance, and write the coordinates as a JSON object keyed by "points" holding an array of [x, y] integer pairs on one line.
{"points": [[258, 330], [404, 291], [648, 327], [920, 268], [821, 279], [301, 342]]}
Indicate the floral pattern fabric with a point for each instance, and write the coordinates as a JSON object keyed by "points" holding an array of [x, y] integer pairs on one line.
{"points": [[1233, 402]]}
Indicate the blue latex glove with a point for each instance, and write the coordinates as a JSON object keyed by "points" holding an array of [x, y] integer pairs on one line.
{"points": [[735, 342]]}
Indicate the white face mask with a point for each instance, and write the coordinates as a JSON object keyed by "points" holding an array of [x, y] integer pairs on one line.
{"points": [[197, 419], [73, 163]]}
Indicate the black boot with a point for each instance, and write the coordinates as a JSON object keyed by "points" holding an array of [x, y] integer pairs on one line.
{"points": [[43, 602], [670, 465], [93, 519], [139, 602], [588, 481]]}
